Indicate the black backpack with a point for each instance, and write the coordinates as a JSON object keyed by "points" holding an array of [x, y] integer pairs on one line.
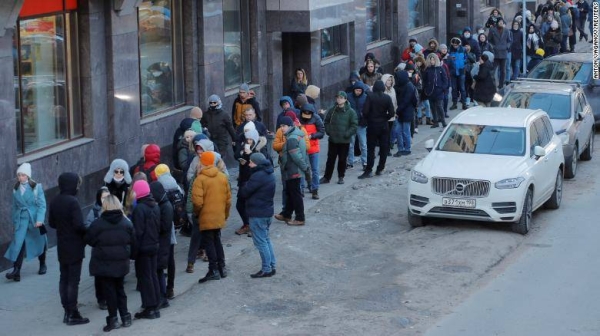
{"points": [[178, 201]]}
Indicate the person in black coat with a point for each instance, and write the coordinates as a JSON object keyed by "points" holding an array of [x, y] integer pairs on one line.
{"points": [[377, 111], [112, 239], [66, 217], [435, 82], [146, 222], [164, 240], [219, 125], [485, 88], [406, 98], [258, 193]]}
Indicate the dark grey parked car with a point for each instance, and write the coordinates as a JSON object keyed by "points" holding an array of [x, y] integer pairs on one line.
{"points": [[569, 111], [571, 67]]}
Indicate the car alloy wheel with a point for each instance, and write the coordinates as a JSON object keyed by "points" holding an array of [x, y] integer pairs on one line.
{"points": [[524, 224], [556, 197]]}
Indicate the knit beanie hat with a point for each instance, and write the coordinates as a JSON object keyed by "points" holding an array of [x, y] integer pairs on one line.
{"points": [[207, 159], [301, 99], [199, 137], [443, 46], [249, 126], [161, 169], [540, 52], [206, 145], [313, 91], [259, 159], [244, 87], [25, 168], [141, 189], [285, 120]]}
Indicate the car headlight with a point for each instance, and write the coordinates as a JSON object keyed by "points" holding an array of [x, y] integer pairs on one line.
{"points": [[509, 183], [418, 177], [564, 136]]}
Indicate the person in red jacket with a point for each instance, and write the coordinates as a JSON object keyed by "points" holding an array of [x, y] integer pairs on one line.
{"points": [[151, 160], [315, 131], [409, 53]]}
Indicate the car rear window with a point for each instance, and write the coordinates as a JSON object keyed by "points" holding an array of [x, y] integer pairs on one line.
{"points": [[482, 139], [566, 70], [558, 106]]}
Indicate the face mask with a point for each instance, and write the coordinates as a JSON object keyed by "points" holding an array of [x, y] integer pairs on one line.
{"points": [[156, 73], [467, 35]]}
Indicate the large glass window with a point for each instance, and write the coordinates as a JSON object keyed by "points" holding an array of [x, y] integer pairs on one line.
{"points": [[161, 55], [375, 20], [236, 42], [46, 82], [420, 13], [331, 41]]}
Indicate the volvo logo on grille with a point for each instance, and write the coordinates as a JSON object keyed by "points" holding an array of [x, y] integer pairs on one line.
{"points": [[460, 187]]}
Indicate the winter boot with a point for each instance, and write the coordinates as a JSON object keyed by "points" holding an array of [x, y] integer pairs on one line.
{"points": [[453, 107], [211, 275], [126, 319], [190, 268], [112, 322], [66, 316], [429, 122], [15, 274], [222, 269], [75, 318], [315, 194]]}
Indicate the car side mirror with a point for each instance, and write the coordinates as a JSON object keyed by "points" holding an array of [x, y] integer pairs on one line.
{"points": [[429, 145], [539, 151]]}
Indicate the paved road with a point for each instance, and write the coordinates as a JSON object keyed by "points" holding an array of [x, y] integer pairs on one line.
{"points": [[551, 285]]}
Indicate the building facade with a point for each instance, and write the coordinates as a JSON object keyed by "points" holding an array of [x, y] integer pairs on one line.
{"points": [[83, 82]]}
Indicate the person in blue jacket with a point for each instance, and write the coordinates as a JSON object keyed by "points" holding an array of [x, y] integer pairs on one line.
{"points": [[28, 213]]}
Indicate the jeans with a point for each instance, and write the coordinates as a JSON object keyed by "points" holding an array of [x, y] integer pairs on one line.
{"points": [[393, 134], [438, 111], [146, 265], [458, 86], [335, 151], [500, 65], [70, 274], [214, 249], [516, 68], [425, 106], [361, 133], [294, 202], [314, 167], [116, 299], [508, 66], [260, 237], [377, 134], [195, 242], [404, 144], [563, 43]]}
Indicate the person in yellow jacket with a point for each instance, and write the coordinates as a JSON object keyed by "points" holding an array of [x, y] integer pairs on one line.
{"points": [[211, 199]]}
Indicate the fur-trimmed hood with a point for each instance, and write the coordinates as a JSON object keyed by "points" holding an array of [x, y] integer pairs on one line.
{"points": [[120, 164]]}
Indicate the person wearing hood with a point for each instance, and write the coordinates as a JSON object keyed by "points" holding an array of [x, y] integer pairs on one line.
{"points": [[368, 57], [92, 215], [28, 214], [432, 47], [64, 215], [407, 104], [456, 63], [516, 50], [243, 157], [315, 130], [535, 59], [485, 88], [146, 222], [118, 179], [552, 39], [468, 37], [286, 105], [185, 150], [483, 44], [357, 101], [370, 76], [242, 102], [299, 83], [164, 238], [259, 194], [435, 82], [211, 199], [501, 39], [378, 110], [340, 123], [193, 122], [112, 239], [219, 125], [352, 79], [294, 162], [151, 160], [251, 123], [566, 24]]}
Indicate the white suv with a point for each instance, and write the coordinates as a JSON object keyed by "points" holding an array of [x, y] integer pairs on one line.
{"points": [[490, 164]]}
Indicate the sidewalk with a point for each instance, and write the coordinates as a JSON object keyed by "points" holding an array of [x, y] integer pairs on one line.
{"points": [[33, 304]]}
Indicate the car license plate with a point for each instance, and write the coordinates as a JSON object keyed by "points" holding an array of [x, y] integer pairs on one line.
{"points": [[458, 202]]}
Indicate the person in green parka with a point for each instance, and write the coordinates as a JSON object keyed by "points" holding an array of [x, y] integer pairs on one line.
{"points": [[28, 214]]}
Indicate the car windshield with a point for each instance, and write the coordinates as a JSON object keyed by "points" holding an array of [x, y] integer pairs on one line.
{"points": [[558, 106], [483, 139], [567, 70]]}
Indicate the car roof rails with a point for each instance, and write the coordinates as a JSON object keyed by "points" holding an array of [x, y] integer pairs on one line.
{"points": [[554, 81]]}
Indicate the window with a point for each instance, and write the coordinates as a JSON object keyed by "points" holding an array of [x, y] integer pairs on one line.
{"points": [[419, 13], [558, 106], [236, 42], [161, 55], [46, 75], [544, 135], [486, 3], [483, 139], [375, 20], [331, 41]]}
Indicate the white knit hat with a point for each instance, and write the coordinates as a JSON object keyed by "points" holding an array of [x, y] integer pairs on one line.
{"points": [[249, 126], [25, 168]]}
